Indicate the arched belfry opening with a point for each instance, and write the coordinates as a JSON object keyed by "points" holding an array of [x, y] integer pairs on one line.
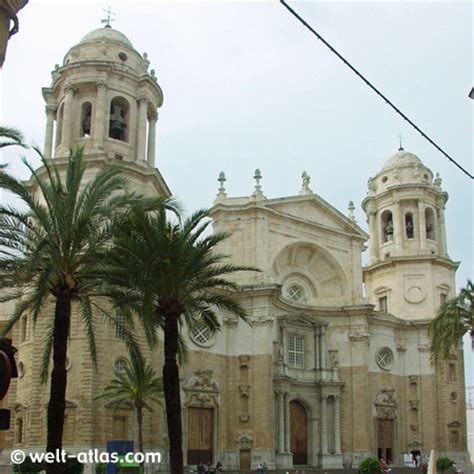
{"points": [[386, 221], [86, 120], [119, 119], [409, 226], [430, 224]]}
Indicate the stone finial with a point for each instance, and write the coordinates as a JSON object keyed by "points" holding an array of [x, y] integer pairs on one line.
{"points": [[305, 189], [400, 142], [437, 182], [350, 211], [258, 188], [222, 179]]}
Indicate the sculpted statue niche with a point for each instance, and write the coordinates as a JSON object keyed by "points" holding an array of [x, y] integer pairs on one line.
{"points": [[118, 122]]}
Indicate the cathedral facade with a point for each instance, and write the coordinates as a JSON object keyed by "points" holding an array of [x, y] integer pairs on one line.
{"points": [[334, 365]]}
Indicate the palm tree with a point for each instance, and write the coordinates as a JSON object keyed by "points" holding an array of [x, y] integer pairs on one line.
{"points": [[454, 319], [49, 250], [136, 385], [171, 274], [10, 136]]}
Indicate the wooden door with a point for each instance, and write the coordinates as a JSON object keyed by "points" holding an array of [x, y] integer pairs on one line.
{"points": [[385, 439], [298, 434], [200, 435], [245, 459]]}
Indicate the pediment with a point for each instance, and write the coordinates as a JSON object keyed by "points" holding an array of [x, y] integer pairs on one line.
{"points": [[315, 210]]}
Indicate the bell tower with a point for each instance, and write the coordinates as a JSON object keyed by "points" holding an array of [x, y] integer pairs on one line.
{"points": [[105, 99], [409, 273]]}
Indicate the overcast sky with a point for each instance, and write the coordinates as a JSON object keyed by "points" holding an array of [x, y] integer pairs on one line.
{"points": [[246, 86]]}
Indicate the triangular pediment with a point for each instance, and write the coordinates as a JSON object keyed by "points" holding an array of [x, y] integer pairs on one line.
{"points": [[315, 210]]}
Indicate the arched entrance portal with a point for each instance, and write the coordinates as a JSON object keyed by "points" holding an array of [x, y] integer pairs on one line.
{"points": [[298, 433], [200, 435]]}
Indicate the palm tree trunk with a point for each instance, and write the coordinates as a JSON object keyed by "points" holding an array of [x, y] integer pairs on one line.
{"points": [[140, 430], [172, 395], [57, 398]]}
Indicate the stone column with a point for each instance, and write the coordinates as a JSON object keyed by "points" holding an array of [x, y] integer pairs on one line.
{"points": [[422, 225], [152, 139], [67, 117], [316, 348], [141, 137], [322, 351], [287, 422], [324, 425], [281, 421], [101, 114], [48, 135], [373, 237], [443, 247], [337, 424], [397, 226]]}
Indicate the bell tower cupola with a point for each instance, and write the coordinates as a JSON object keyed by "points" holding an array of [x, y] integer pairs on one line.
{"points": [[409, 273], [104, 99]]}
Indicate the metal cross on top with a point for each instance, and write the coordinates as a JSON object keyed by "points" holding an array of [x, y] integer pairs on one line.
{"points": [[109, 17], [400, 141]]}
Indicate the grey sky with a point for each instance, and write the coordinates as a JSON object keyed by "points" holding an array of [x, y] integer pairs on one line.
{"points": [[246, 86]]}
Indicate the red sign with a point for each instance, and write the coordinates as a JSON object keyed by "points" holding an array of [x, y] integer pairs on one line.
{"points": [[5, 374]]}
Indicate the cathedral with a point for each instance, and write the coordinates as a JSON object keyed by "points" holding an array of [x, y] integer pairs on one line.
{"points": [[335, 365]]}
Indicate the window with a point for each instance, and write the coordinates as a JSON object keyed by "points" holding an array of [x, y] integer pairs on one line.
{"points": [[383, 304], [19, 430], [120, 365], [442, 298], [410, 230], [201, 334], [452, 372], [384, 358], [296, 293], [120, 326], [296, 351]]}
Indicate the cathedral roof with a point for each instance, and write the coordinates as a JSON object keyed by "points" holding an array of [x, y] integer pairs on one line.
{"points": [[106, 34]]}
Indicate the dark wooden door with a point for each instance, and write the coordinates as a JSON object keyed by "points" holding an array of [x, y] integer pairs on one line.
{"points": [[385, 439], [245, 459], [200, 435], [298, 434]]}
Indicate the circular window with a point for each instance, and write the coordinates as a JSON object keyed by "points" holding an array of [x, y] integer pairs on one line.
{"points": [[201, 335], [122, 56], [296, 293], [384, 358], [384, 179], [120, 365]]}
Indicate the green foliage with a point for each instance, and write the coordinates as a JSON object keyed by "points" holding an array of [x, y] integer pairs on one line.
{"points": [[11, 136], [454, 319], [100, 468], [28, 467], [443, 463], [369, 466]]}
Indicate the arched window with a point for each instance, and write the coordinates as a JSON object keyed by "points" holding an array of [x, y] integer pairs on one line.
{"points": [[86, 118], [409, 227], [119, 119], [387, 226], [430, 224]]}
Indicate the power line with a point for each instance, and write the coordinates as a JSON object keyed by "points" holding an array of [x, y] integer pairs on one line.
{"points": [[389, 102]]}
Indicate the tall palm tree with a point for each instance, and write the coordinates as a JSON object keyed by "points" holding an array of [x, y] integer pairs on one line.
{"points": [[10, 136], [454, 319], [49, 250], [171, 274], [136, 385]]}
